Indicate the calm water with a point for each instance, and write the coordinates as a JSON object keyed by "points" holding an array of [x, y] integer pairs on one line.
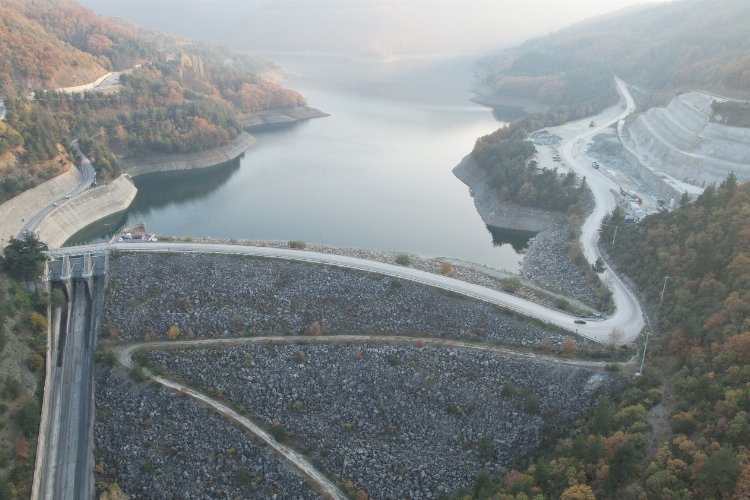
{"points": [[375, 174]]}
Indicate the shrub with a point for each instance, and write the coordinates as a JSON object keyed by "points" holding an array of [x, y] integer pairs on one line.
{"points": [[34, 361], [532, 404], [568, 347], [28, 419], [446, 269], [11, 389], [173, 333], [316, 328], [279, 432], [38, 323], [561, 303], [510, 285], [22, 449], [297, 244], [403, 260], [137, 373]]}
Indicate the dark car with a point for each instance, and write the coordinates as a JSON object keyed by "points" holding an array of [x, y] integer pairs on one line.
{"points": [[580, 322]]}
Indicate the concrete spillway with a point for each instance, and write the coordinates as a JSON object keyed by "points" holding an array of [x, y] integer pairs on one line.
{"points": [[64, 464], [682, 141]]}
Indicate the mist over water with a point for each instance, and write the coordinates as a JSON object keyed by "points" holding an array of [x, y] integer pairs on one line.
{"points": [[375, 174]]}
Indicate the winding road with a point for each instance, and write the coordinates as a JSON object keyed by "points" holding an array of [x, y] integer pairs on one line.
{"points": [[88, 176], [124, 354], [628, 317], [292, 456], [598, 330]]}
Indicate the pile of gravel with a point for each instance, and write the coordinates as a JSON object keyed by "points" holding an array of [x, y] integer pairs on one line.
{"points": [[394, 421], [209, 295], [156, 444], [547, 263]]}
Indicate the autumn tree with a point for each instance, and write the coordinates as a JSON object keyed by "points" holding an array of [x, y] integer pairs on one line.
{"points": [[446, 268], [173, 333], [568, 347], [578, 492]]}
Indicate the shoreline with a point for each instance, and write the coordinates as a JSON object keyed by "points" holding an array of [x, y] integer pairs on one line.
{"points": [[154, 163], [188, 161], [85, 209], [497, 213], [95, 204], [280, 116]]}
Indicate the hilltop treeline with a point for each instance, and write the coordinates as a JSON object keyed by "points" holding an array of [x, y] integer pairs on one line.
{"points": [[703, 330], [175, 97], [666, 47]]}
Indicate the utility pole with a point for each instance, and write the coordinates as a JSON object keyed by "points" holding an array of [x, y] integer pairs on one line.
{"points": [[663, 288], [643, 359], [615, 236]]}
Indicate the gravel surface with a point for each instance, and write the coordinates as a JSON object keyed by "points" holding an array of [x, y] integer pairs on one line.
{"points": [[208, 295], [547, 263], [394, 421], [156, 444]]}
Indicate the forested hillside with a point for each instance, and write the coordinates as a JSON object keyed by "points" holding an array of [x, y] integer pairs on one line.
{"points": [[671, 46], [175, 96], [30, 57], [700, 355]]}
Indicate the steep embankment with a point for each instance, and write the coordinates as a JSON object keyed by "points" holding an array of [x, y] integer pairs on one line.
{"points": [[499, 213], [202, 159], [686, 141], [16, 211], [85, 209]]}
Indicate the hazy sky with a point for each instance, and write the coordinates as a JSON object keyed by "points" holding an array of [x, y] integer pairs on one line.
{"points": [[360, 27]]}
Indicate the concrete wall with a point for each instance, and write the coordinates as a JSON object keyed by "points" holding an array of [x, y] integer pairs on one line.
{"points": [[17, 210], [203, 159], [85, 209]]}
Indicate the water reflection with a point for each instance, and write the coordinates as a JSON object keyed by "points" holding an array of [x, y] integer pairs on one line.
{"points": [[516, 238], [101, 231], [376, 174], [164, 189]]}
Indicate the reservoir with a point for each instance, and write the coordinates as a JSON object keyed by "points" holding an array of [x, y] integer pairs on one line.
{"points": [[375, 174]]}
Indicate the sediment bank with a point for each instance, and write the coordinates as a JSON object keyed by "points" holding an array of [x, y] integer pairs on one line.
{"points": [[85, 209], [202, 159], [15, 212], [279, 116]]}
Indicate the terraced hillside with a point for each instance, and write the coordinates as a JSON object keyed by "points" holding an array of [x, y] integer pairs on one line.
{"points": [[687, 140]]}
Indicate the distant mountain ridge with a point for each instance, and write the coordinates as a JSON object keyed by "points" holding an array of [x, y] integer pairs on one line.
{"points": [[666, 47]]}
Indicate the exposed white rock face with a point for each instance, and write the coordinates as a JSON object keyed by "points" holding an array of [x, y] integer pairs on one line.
{"points": [[682, 141]]}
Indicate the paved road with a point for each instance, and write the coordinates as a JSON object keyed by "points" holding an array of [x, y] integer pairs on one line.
{"points": [[88, 176], [65, 448], [598, 330], [628, 314], [292, 456]]}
